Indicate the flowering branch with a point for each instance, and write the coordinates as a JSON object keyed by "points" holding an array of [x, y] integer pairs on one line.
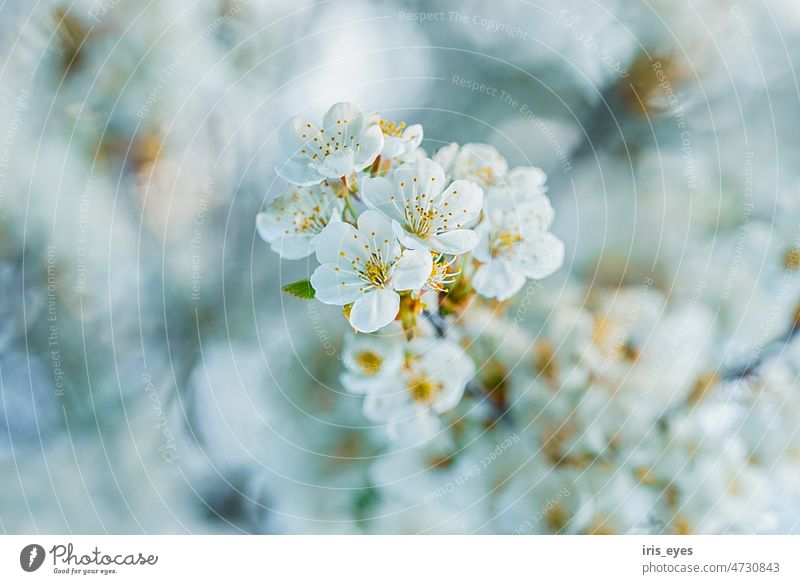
{"points": [[387, 224]]}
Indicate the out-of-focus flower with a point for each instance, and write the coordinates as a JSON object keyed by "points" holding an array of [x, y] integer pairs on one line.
{"points": [[430, 382], [295, 218], [370, 357], [481, 163], [344, 145], [542, 499], [428, 214], [365, 266], [514, 244]]}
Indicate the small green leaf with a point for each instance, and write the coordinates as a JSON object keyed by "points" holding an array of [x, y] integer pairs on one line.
{"points": [[300, 289]]}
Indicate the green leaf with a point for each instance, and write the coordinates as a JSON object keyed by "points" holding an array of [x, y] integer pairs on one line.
{"points": [[300, 289]]}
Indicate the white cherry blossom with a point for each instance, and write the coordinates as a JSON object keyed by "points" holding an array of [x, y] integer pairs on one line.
{"points": [[294, 219], [345, 144], [431, 382], [515, 244], [425, 213], [480, 163], [365, 267], [370, 357]]}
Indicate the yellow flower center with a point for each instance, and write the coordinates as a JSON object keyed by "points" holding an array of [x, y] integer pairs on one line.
{"points": [[369, 362], [441, 277], [556, 517], [394, 129], [505, 242], [486, 174], [791, 259], [681, 526], [423, 389], [376, 271]]}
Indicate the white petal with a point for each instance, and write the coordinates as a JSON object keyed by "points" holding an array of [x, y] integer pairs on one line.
{"points": [[384, 398], [423, 177], [335, 287], [378, 194], [480, 162], [268, 227], [416, 424], [464, 203], [543, 256], [386, 354], [448, 397], [354, 383], [457, 241], [378, 232], [295, 135], [412, 270], [374, 310], [540, 210], [298, 173], [370, 144], [336, 165], [527, 180], [413, 134], [373, 385], [483, 250], [293, 247], [497, 279], [393, 147], [446, 156], [338, 238], [346, 117]]}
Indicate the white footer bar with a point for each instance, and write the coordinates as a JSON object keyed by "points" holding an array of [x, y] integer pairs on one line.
{"points": [[406, 559]]}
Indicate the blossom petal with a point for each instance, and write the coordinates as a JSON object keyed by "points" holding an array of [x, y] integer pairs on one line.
{"points": [[413, 134], [337, 241], [412, 270], [369, 145], [542, 257], [334, 286], [293, 247], [423, 178], [527, 180], [298, 172], [336, 164], [446, 156], [346, 117], [295, 134], [460, 204], [378, 232], [497, 279], [483, 250], [378, 194], [268, 227], [372, 355], [539, 211], [385, 396], [457, 241], [374, 310], [480, 162], [416, 424]]}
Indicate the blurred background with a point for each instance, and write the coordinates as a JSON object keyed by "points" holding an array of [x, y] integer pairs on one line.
{"points": [[153, 379]]}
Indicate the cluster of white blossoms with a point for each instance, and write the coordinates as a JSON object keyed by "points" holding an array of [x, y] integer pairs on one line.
{"points": [[407, 239]]}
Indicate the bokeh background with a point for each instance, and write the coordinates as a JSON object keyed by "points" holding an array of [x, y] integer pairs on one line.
{"points": [[153, 379]]}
